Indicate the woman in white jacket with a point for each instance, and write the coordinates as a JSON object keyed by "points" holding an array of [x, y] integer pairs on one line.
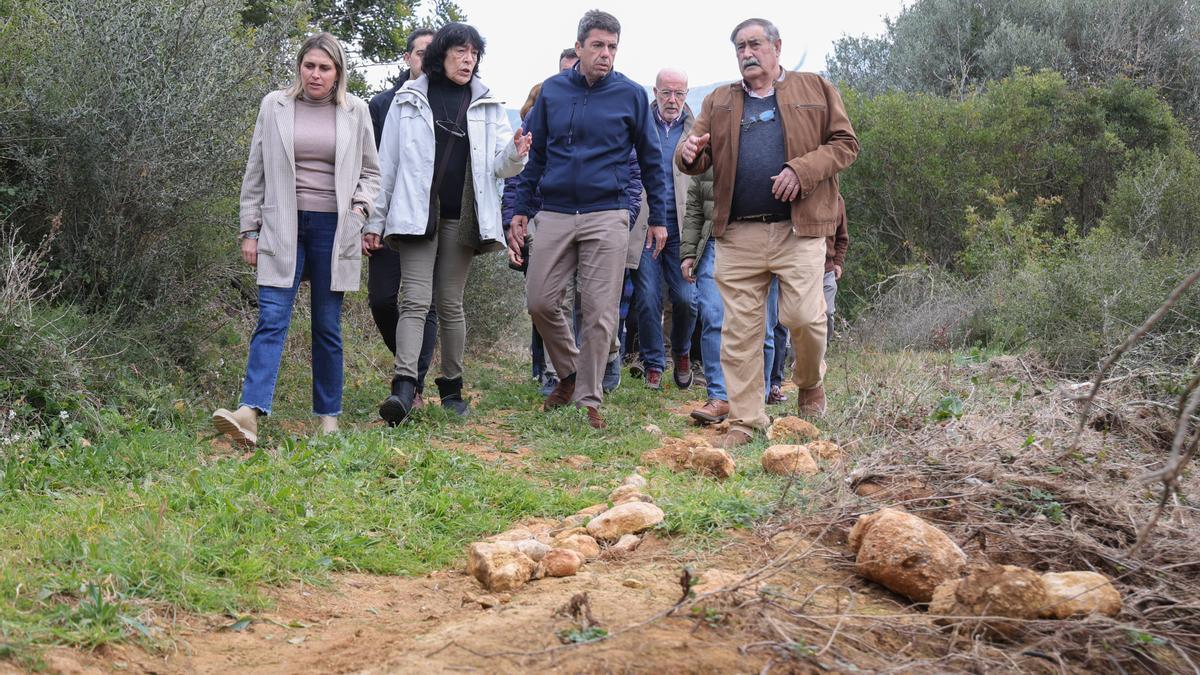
{"points": [[446, 144]]}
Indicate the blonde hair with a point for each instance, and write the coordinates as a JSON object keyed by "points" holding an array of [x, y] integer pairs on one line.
{"points": [[327, 43]]}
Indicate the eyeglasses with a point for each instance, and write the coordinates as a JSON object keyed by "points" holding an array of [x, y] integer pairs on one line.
{"points": [[764, 116], [669, 94], [451, 128]]}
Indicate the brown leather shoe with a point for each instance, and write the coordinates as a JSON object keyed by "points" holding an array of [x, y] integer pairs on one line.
{"points": [[735, 437], [776, 395], [561, 395], [594, 419], [654, 379], [712, 412], [811, 402]]}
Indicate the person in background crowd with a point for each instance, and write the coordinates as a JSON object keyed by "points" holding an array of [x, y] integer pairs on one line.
{"points": [[445, 143], [543, 370], [309, 186], [776, 141], [383, 267], [696, 252], [580, 163], [777, 356], [835, 262], [673, 120]]}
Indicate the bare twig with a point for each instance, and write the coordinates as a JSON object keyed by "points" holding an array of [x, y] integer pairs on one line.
{"points": [[1181, 452]]}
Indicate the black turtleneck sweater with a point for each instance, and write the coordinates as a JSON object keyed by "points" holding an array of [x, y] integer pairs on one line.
{"points": [[446, 99]]}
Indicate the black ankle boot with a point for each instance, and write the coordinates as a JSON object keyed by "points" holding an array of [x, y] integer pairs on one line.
{"points": [[450, 392], [395, 409]]}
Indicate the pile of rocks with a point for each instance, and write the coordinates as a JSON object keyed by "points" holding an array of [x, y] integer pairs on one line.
{"points": [[801, 454], [691, 453], [549, 548], [917, 560], [696, 453]]}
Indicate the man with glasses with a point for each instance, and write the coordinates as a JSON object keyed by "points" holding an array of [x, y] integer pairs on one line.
{"points": [[674, 121], [776, 141]]}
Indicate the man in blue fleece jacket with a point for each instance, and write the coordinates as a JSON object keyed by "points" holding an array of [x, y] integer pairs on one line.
{"points": [[584, 125]]}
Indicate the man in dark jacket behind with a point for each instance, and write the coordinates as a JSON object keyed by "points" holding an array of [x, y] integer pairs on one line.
{"points": [[383, 267], [584, 125]]}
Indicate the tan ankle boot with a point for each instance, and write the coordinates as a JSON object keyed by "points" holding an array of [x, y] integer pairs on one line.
{"points": [[241, 426], [329, 424]]}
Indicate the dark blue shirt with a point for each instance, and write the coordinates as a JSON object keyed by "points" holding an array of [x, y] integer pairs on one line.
{"points": [[761, 154], [582, 136]]}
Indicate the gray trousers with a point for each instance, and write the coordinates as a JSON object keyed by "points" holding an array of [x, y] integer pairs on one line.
{"points": [[830, 284], [592, 245], [420, 261]]}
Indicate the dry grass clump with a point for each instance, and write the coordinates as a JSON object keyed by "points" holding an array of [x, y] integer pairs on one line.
{"points": [[999, 475]]}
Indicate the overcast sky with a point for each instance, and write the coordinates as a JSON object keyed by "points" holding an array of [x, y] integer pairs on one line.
{"points": [[524, 39]]}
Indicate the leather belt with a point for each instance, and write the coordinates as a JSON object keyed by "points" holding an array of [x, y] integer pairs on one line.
{"points": [[761, 218]]}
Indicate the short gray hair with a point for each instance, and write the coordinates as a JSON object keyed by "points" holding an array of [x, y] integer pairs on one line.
{"points": [[768, 27], [595, 19]]}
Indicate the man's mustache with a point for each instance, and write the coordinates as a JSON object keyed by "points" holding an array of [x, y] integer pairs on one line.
{"points": [[749, 61]]}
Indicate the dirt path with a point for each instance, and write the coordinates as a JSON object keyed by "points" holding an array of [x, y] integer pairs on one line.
{"points": [[435, 624]]}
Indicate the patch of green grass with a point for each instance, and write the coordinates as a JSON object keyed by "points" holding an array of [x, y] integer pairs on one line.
{"points": [[84, 532], [95, 532]]}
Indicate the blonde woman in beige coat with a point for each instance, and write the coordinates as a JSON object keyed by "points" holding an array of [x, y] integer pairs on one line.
{"points": [[309, 186]]}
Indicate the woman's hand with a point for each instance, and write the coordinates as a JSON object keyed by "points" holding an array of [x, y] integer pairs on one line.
{"points": [[370, 243], [250, 251], [522, 141]]}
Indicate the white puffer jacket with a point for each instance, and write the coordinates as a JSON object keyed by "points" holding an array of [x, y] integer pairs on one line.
{"points": [[406, 158]]}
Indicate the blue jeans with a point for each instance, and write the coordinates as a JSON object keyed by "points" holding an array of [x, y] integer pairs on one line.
{"points": [[707, 303], [780, 341], [314, 252], [651, 273], [772, 337]]}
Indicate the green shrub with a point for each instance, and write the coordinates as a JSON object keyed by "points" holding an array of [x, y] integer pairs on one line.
{"points": [[1157, 201], [494, 303], [1072, 300], [1075, 307]]}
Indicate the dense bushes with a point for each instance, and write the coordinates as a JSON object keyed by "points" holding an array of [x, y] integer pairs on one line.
{"points": [[131, 130], [1082, 156], [1071, 299], [1075, 306], [952, 47]]}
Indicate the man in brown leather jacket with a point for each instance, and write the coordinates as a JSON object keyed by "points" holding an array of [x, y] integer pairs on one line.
{"points": [[776, 141]]}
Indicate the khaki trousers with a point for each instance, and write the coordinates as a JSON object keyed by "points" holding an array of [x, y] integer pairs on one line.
{"points": [[433, 270], [592, 245], [748, 256]]}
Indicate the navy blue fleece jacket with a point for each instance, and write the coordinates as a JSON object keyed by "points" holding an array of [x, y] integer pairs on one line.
{"points": [[581, 141]]}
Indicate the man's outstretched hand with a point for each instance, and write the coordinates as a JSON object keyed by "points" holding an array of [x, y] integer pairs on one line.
{"points": [[692, 146]]}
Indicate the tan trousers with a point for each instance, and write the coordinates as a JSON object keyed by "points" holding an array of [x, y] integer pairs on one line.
{"points": [[748, 256], [592, 244]]}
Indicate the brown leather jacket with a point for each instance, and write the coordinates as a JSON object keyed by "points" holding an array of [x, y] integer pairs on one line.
{"points": [[820, 142]]}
